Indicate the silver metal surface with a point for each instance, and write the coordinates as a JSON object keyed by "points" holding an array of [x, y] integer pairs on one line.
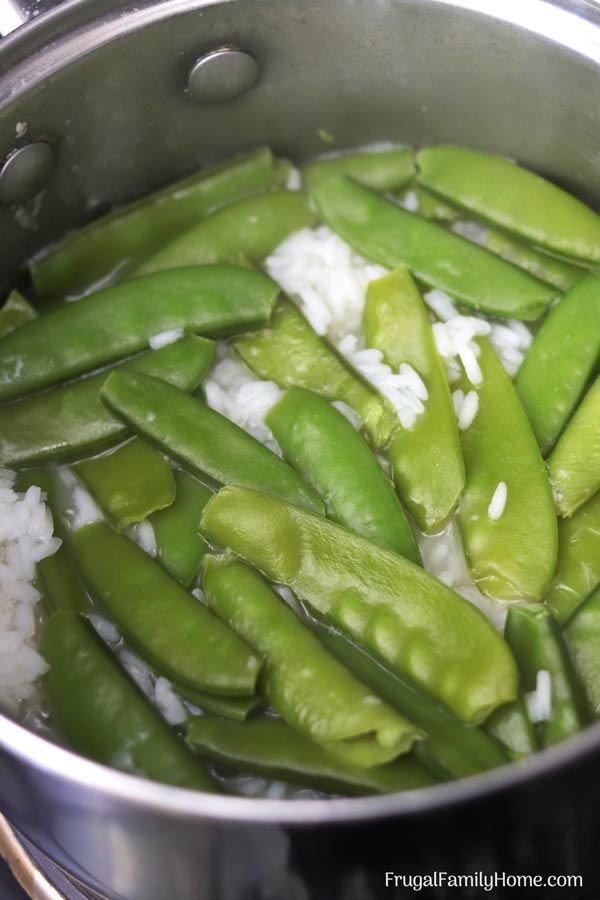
{"points": [[222, 74], [25, 171]]}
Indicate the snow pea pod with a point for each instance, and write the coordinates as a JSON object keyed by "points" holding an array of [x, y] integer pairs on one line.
{"points": [[309, 688], [130, 483], [103, 714], [356, 491], [289, 352], [574, 464], [271, 748], [578, 568], [418, 200], [426, 459], [119, 321], [391, 236], [582, 634], [16, 311], [112, 245], [512, 726], [384, 170], [537, 643], [408, 619], [179, 546], [202, 440], [231, 707], [71, 418], [250, 228], [559, 273], [515, 199], [511, 549], [559, 363], [178, 636]]}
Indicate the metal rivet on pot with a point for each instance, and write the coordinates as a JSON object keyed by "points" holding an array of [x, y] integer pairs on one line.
{"points": [[222, 74], [25, 172]]}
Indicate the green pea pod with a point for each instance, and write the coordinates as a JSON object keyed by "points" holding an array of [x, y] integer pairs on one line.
{"points": [[112, 245], [119, 321], [16, 311], [71, 418], [384, 170], [166, 625], [129, 483], [389, 235], [537, 643], [511, 551], [582, 635], [429, 206], [309, 688], [291, 353], [574, 464], [251, 228], [179, 546], [236, 708], [559, 273], [512, 726], [102, 713], [515, 199], [578, 568], [410, 621], [452, 748], [563, 356], [272, 749], [426, 458], [203, 440], [356, 491]]}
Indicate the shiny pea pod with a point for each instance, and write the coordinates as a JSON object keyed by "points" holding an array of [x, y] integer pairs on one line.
{"points": [[335, 460], [71, 418], [271, 748], [582, 634], [178, 636], [179, 547], [537, 643], [559, 273], [111, 324], [15, 312], [578, 567], [515, 199], [561, 360], [102, 713], [417, 200], [512, 727], [511, 541], [250, 228], [289, 352], [391, 236], [384, 170], [309, 688], [230, 707], [409, 620], [574, 464], [202, 440], [426, 458], [111, 246], [130, 483]]}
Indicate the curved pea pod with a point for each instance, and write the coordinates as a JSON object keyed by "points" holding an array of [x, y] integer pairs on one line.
{"points": [[537, 643], [409, 620], [16, 311], [335, 460], [387, 234], [178, 636], [289, 352], [511, 546], [309, 688], [574, 464], [452, 748], [578, 568], [273, 749], [559, 273], [251, 228], [426, 458], [112, 245], [203, 440], [512, 726], [513, 198], [416, 199], [102, 713], [582, 634], [130, 483], [383, 170], [559, 363], [230, 707], [119, 321], [179, 546], [71, 418]]}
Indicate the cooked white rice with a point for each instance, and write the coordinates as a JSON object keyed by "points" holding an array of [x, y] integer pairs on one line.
{"points": [[539, 701]]}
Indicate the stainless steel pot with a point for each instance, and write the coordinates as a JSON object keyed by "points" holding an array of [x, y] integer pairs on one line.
{"points": [[103, 85]]}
